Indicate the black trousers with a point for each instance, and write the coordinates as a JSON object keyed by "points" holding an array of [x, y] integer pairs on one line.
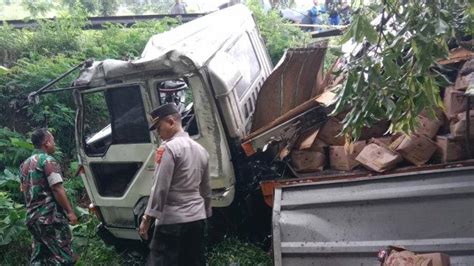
{"points": [[178, 244]]}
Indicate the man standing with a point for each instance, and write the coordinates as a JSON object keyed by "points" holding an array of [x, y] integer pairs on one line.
{"points": [[180, 198], [315, 13], [333, 8], [47, 205], [178, 8]]}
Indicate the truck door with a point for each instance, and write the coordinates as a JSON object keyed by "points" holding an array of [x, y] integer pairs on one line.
{"points": [[115, 148]]}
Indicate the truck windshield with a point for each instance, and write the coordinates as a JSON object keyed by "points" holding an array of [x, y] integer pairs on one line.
{"points": [[113, 116]]}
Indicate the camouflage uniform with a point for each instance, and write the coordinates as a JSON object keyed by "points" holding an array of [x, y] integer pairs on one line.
{"points": [[45, 218]]}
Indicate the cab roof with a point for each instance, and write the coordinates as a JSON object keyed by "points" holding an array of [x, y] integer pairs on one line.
{"points": [[180, 50]]}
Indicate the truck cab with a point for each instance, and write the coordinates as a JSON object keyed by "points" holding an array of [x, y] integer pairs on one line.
{"points": [[212, 68]]}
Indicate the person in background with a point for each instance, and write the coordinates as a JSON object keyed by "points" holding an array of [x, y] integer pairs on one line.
{"points": [[180, 198], [47, 206], [333, 8], [345, 13], [178, 8], [316, 11]]}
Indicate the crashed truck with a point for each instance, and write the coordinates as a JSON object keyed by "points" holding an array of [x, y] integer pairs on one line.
{"points": [[249, 118]]}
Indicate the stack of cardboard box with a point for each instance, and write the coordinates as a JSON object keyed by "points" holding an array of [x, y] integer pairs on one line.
{"points": [[438, 138]]}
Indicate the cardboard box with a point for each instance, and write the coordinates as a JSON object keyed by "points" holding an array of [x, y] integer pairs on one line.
{"points": [[408, 258], [343, 157], [319, 145], [330, 132], [454, 102], [462, 82], [376, 131], [307, 160], [417, 149], [378, 158], [458, 125], [427, 126], [437, 259], [306, 139], [449, 149], [383, 141], [394, 145]]}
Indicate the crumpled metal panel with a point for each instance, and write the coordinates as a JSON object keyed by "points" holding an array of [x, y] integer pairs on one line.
{"points": [[347, 222], [296, 79]]}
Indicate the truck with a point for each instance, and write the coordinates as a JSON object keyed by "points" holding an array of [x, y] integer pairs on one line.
{"points": [[247, 115]]}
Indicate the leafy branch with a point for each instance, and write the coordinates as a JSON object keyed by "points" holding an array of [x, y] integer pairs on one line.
{"points": [[393, 74]]}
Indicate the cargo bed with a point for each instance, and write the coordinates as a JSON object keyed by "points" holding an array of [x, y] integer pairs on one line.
{"points": [[346, 220]]}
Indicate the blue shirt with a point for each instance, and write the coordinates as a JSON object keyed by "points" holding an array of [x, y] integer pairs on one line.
{"points": [[315, 13]]}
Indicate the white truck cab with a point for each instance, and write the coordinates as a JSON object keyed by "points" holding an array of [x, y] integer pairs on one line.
{"points": [[212, 68]]}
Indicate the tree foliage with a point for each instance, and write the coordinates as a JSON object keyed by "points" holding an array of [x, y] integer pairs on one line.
{"points": [[37, 7], [93, 7], [395, 75], [278, 35], [37, 56]]}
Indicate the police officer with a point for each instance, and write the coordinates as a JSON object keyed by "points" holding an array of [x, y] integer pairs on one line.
{"points": [[180, 198], [47, 206]]}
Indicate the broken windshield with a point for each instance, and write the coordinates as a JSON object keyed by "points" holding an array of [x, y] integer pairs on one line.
{"points": [[114, 116]]}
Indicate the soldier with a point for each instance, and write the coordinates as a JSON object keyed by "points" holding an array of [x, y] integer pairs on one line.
{"points": [[48, 208], [180, 198]]}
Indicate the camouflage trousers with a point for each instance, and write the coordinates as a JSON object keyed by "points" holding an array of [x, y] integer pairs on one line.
{"points": [[51, 244]]}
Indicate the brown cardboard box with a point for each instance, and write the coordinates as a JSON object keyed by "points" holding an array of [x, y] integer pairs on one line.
{"points": [[394, 145], [319, 145], [384, 141], [416, 149], [343, 157], [427, 126], [408, 258], [458, 125], [437, 259], [449, 149], [306, 139], [462, 82], [329, 133], [376, 131], [378, 158], [438, 112], [454, 102], [308, 161]]}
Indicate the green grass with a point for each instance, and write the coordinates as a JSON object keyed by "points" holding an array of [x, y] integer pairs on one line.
{"points": [[232, 251]]}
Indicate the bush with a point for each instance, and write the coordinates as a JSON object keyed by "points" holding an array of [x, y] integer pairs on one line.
{"points": [[13, 45], [119, 42]]}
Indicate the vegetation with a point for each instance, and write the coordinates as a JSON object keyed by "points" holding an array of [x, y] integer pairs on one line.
{"points": [[33, 57], [278, 35], [395, 75], [51, 8]]}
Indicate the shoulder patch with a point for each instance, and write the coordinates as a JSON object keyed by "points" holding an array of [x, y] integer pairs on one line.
{"points": [[159, 154]]}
